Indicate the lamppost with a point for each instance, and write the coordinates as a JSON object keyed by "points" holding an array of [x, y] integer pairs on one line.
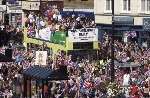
{"points": [[39, 15], [112, 45]]}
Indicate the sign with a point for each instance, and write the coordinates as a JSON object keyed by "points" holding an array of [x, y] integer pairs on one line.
{"points": [[41, 57], [45, 34], [14, 11], [146, 23], [83, 35], [29, 5], [2, 8], [123, 20]]}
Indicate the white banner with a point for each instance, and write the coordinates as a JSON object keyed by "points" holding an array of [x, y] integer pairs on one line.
{"points": [[83, 35], [45, 34], [30, 5], [41, 57]]}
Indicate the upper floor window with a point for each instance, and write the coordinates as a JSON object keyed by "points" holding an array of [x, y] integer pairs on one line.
{"points": [[108, 5], [143, 2], [145, 5], [148, 5], [126, 5]]}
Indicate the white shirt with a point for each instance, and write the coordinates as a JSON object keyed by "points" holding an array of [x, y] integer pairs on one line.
{"points": [[0, 65], [126, 79], [2, 27], [59, 17], [54, 16], [1, 78], [30, 16]]}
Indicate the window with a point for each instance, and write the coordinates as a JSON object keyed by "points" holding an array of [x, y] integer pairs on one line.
{"points": [[145, 6], [148, 5], [126, 5], [108, 5], [142, 5]]}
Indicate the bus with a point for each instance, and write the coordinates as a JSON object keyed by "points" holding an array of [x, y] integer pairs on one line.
{"points": [[80, 43]]}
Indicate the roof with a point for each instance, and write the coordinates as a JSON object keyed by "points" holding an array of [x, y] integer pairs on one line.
{"points": [[38, 72], [45, 73]]}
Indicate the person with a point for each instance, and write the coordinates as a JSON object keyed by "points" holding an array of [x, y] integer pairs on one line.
{"points": [[146, 90], [135, 91]]}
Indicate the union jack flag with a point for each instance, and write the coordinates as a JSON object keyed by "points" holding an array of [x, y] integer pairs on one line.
{"points": [[87, 84]]}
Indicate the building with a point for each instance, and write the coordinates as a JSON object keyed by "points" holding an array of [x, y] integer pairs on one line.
{"points": [[81, 4], [130, 15], [78, 8], [11, 9], [2, 11], [14, 11]]}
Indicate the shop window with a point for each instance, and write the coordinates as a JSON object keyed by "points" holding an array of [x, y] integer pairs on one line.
{"points": [[83, 45]]}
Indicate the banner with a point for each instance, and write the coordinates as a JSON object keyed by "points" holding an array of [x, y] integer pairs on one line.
{"points": [[83, 35], [45, 34], [41, 57]]}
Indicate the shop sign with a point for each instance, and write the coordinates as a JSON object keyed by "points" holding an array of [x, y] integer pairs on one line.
{"points": [[123, 20], [14, 11], [29, 5], [83, 35], [2, 8]]}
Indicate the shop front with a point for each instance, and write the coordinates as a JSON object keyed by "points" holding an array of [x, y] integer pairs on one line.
{"points": [[125, 31], [38, 81]]}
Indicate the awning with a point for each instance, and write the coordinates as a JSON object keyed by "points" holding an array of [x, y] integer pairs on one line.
{"points": [[127, 64], [45, 73], [77, 13], [38, 72]]}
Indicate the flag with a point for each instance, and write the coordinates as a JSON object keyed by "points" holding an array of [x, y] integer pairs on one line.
{"points": [[30, 30], [131, 34], [87, 84]]}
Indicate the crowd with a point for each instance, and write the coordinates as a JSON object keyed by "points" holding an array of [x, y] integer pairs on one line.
{"points": [[10, 35], [87, 78]]}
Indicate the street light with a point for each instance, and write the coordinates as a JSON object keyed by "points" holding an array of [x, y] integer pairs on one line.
{"points": [[112, 45]]}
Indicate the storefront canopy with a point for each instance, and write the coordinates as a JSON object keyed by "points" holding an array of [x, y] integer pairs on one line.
{"points": [[45, 73]]}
